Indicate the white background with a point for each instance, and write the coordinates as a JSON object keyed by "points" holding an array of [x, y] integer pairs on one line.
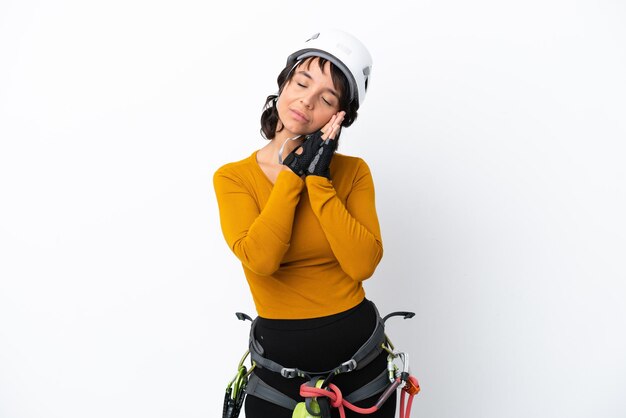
{"points": [[494, 131]]}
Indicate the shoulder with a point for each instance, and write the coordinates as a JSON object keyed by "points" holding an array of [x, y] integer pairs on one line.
{"points": [[348, 171], [236, 169], [350, 164], [237, 176]]}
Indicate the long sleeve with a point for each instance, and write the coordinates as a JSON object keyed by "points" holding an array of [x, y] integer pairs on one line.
{"points": [[351, 228], [258, 237]]}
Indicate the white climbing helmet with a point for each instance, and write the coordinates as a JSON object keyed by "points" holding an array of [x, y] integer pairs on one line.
{"points": [[346, 52]]}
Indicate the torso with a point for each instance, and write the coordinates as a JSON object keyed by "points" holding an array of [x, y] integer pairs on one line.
{"points": [[309, 264]]}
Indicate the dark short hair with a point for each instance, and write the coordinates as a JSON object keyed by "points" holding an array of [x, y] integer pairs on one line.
{"points": [[269, 116]]}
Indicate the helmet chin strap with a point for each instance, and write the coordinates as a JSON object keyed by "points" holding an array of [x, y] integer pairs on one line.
{"points": [[282, 148]]}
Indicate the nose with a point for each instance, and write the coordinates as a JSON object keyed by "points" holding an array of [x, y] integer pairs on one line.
{"points": [[307, 100]]}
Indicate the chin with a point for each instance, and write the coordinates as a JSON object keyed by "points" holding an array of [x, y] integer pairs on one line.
{"points": [[294, 129]]}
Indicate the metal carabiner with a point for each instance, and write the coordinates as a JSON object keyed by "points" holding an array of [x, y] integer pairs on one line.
{"points": [[396, 372], [404, 374]]}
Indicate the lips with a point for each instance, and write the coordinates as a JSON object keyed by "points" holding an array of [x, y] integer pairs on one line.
{"points": [[299, 115]]}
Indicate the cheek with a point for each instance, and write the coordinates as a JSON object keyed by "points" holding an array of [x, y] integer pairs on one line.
{"points": [[323, 117], [284, 101], [281, 107]]}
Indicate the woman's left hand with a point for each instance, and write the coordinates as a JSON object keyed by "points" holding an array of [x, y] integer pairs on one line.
{"points": [[332, 128], [320, 165]]}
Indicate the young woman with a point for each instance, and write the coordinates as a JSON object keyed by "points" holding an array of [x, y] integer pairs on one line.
{"points": [[302, 221]]}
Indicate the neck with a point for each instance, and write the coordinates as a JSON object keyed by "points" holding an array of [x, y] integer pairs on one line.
{"points": [[282, 136], [282, 142]]}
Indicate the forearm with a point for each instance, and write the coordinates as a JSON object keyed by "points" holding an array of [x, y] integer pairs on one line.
{"points": [[355, 240], [259, 238]]}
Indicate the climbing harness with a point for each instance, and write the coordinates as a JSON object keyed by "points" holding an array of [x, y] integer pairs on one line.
{"points": [[318, 391]]}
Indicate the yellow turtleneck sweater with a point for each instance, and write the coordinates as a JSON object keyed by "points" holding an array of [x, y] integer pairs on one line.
{"points": [[305, 246]]}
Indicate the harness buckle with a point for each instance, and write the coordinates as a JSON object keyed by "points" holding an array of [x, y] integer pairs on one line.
{"points": [[288, 373], [346, 366]]}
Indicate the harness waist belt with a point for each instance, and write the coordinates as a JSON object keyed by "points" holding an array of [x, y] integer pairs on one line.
{"points": [[363, 356]]}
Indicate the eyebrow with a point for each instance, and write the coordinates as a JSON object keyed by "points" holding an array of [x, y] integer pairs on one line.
{"points": [[307, 75]]}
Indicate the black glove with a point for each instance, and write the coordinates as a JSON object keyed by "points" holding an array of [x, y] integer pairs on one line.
{"points": [[298, 163], [320, 165]]}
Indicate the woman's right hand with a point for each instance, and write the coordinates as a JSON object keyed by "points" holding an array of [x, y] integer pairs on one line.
{"points": [[300, 158]]}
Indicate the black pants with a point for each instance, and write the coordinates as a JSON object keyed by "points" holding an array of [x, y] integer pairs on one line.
{"points": [[315, 345]]}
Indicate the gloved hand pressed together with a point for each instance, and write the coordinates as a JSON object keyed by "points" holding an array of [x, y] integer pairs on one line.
{"points": [[320, 166], [299, 162]]}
